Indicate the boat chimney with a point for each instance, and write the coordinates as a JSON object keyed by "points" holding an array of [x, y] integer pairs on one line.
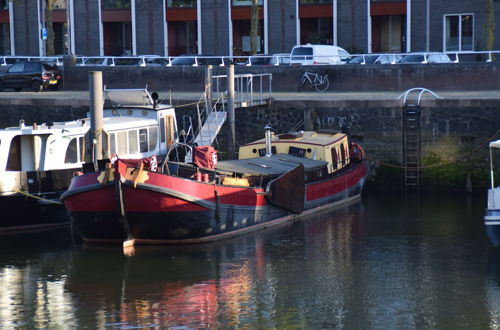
{"points": [[269, 151]]}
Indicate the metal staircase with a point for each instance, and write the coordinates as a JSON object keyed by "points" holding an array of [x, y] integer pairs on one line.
{"points": [[214, 119], [411, 136], [210, 122]]}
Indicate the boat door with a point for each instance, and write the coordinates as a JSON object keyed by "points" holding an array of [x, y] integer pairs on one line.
{"points": [[167, 135]]}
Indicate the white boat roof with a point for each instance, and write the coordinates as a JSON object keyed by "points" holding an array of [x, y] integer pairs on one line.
{"points": [[495, 144]]}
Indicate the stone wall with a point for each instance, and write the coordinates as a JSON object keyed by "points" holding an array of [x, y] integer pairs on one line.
{"points": [[455, 134], [397, 77]]}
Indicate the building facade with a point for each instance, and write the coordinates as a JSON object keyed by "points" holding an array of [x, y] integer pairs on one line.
{"points": [[222, 27]]}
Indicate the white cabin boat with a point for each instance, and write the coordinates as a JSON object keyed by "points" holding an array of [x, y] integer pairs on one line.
{"points": [[492, 214], [37, 162]]}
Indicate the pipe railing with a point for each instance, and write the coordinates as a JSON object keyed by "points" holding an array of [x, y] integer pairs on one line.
{"points": [[245, 87], [251, 60]]}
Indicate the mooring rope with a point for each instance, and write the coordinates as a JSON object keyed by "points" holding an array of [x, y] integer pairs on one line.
{"points": [[37, 197]]}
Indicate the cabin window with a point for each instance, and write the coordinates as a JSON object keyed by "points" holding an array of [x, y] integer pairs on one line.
{"points": [[162, 132], [335, 158], [262, 151], [14, 161], [122, 143], [294, 151], [72, 152], [153, 137], [342, 154], [112, 143], [143, 140], [132, 142]]}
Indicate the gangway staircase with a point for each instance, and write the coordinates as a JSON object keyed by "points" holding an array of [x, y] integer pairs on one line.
{"points": [[411, 136], [250, 90]]}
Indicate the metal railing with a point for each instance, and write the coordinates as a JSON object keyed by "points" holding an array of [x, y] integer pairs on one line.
{"points": [[244, 87], [260, 59]]}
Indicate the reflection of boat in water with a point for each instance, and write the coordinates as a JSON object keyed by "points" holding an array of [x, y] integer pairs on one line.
{"points": [[276, 179], [37, 162], [492, 213], [208, 285]]}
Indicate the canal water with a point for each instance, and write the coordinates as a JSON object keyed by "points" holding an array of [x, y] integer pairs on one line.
{"points": [[389, 261]]}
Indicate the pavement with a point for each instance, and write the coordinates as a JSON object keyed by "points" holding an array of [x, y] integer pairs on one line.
{"points": [[81, 98]]}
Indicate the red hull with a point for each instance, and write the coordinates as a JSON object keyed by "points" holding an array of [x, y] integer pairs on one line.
{"points": [[170, 209]]}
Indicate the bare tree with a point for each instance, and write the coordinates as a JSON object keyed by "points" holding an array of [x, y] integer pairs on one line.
{"points": [[490, 25], [254, 26]]}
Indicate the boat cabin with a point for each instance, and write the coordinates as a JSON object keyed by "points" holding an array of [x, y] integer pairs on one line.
{"points": [[326, 145], [135, 126]]}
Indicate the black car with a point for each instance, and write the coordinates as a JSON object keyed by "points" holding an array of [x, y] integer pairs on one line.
{"points": [[36, 75]]}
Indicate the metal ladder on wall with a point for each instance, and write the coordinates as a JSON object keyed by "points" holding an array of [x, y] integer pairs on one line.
{"points": [[411, 136]]}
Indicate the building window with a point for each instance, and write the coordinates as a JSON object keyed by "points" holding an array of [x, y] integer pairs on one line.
{"points": [[244, 3], [181, 3], [4, 39], [315, 2], [4, 5], [115, 4], [458, 32]]}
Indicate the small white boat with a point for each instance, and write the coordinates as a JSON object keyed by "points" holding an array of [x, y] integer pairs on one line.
{"points": [[37, 162], [492, 214]]}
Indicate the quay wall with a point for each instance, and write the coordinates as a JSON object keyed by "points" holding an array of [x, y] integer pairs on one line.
{"points": [[349, 77], [454, 133]]}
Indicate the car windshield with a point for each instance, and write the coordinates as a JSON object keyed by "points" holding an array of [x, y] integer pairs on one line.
{"points": [[302, 51], [366, 59], [127, 61], [259, 60], [49, 67], [413, 59], [94, 60], [183, 60]]}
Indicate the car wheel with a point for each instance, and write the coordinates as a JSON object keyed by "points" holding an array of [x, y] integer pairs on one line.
{"points": [[36, 86], [17, 89]]}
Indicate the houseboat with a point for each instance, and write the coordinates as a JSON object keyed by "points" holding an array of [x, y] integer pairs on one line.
{"points": [[276, 179], [38, 161]]}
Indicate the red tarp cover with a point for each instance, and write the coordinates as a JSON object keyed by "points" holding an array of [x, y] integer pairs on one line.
{"points": [[205, 156]]}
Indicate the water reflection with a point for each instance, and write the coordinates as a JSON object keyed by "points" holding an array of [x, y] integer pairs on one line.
{"points": [[390, 261]]}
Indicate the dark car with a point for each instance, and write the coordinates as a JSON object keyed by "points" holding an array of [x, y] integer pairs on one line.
{"points": [[36, 75], [195, 60]]}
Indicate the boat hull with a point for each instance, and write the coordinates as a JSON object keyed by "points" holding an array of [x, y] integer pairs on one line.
{"points": [[167, 209], [492, 226], [23, 214]]}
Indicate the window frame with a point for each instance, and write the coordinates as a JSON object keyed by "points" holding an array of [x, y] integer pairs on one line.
{"points": [[459, 15]]}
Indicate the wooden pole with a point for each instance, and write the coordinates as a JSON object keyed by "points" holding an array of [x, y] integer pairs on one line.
{"points": [[96, 114], [230, 112], [208, 88]]}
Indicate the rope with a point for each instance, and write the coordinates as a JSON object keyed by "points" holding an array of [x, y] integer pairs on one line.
{"points": [[435, 165], [36, 197]]}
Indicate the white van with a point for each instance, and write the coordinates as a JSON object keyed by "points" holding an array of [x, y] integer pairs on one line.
{"points": [[318, 54]]}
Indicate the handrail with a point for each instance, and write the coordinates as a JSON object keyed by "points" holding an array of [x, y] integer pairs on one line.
{"points": [[251, 60], [422, 91]]}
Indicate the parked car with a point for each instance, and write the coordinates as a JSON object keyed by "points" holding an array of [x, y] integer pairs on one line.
{"points": [[388, 59], [363, 59], [195, 60], [426, 58], [318, 54], [36, 75], [95, 61]]}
